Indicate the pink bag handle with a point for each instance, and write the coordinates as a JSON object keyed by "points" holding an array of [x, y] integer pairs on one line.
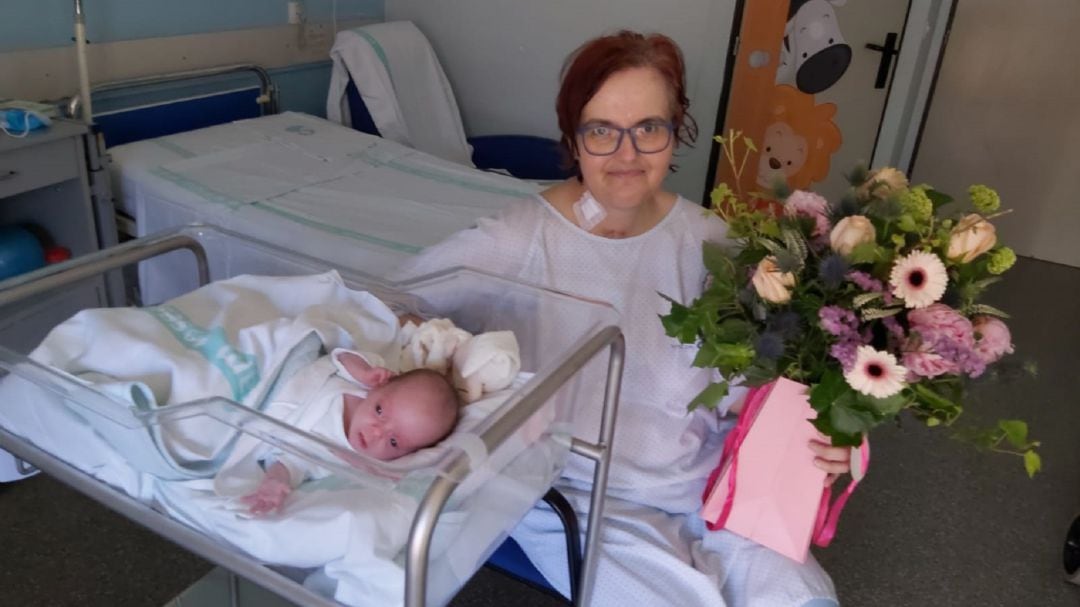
{"points": [[755, 398], [828, 516]]}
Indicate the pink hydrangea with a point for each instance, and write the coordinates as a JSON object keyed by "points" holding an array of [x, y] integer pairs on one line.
{"points": [[938, 322], [808, 204], [922, 364], [994, 339], [944, 332]]}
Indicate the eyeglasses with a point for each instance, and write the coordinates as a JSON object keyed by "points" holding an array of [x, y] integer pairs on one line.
{"points": [[649, 137]]}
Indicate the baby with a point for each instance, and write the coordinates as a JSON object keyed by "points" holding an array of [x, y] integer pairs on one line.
{"points": [[400, 414]]}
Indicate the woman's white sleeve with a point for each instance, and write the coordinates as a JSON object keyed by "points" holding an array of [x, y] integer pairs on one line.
{"points": [[496, 245]]}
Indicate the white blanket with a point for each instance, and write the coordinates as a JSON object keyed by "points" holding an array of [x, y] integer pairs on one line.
{"points": [[403, 86], [228, 338]]}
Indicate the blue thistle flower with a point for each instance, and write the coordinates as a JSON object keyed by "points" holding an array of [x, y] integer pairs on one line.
{"points": [[785, 324], [832, 270], [769, 346]]}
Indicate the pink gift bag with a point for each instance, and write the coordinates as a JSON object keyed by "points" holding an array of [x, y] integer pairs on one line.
{"points": [[767, 487]]}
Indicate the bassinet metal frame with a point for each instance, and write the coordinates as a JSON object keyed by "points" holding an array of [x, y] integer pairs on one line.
{"points": [[449, 477]]}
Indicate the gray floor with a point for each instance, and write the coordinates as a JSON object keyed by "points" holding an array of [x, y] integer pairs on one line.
{"points": [[935, 523]]}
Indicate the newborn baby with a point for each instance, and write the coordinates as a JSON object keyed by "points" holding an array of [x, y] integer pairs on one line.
{"points": [[399, 414]]}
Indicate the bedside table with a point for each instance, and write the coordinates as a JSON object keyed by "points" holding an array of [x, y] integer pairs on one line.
{"points": [[45, 184]]}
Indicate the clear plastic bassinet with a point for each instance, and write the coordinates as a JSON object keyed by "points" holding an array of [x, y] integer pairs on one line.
{"points": [[456, 506]]}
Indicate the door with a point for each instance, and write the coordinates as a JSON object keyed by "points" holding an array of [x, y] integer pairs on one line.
{"points": [[809, 86]]}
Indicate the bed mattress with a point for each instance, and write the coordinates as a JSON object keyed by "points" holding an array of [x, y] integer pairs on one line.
{"points": [[319, 188]]}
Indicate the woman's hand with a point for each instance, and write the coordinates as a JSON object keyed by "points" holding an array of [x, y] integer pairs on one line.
{"points": [[834, 460]]}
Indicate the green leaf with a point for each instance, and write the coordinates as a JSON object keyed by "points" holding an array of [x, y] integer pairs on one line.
{"points": [[838, 438], [987, 309], [717, 261], [710, 397], [850, 420], [938, 199], [1032, 463], [867, 252], [875, 313], [725, 357], [828, 390], [1016, 432], [884, 407], [770, 228], [932, 399], [862, 299], [733, 330], [680, 323], [758, 374]]}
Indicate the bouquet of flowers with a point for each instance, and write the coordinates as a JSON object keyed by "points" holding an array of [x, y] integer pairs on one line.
{"points": [[873, 302]]}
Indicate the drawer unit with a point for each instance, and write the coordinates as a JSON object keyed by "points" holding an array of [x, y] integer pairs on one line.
{"points": [[37, 166]]}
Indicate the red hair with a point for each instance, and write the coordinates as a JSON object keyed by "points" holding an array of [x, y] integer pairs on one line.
{"points": [[587, 68]]}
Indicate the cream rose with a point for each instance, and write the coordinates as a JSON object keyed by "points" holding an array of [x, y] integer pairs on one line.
{"points": [[772, 284], [972, 237], [882, 183], [851, 232]]}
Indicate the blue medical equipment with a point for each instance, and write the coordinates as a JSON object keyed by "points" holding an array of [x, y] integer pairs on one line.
{"points": [[20, 251]]}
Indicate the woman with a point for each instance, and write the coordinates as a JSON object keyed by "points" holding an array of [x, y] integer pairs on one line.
{"points": [[613, 234]]}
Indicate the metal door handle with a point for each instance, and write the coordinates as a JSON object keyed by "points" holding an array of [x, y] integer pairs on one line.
{"points": [[4, 176], [888, 51]]}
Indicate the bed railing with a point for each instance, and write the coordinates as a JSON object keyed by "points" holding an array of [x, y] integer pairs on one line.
{"points": [[267, 99]]}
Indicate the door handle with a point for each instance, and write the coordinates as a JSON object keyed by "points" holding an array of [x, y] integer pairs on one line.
{"points": [[5, 175], [888, 51]]}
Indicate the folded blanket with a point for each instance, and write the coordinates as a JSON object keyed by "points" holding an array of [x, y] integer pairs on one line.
{"points": [[237, 339]]}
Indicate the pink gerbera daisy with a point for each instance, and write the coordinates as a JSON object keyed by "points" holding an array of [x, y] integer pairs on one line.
{"points": [[876, 373], [919, 279]]}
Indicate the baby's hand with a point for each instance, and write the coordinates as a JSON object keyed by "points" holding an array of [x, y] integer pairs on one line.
{"points": [[270, 495], [361, 371]]}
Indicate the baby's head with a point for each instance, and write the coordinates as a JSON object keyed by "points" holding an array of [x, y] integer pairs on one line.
{"points": [[411, 411]]}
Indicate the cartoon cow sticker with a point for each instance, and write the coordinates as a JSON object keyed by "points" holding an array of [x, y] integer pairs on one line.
{"points": [[813, 55]]}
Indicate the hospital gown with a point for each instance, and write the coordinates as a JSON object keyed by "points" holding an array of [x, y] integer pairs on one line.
{"points": [[655, 549]]}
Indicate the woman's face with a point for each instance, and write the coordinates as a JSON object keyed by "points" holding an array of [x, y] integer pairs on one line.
{"points": [[627, 178]]}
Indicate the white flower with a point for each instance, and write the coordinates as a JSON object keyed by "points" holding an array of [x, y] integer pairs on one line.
{"points": [[919, 279], [876, 373]]}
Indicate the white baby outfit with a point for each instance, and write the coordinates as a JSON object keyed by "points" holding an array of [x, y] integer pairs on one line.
{"points": [[655, 549]]}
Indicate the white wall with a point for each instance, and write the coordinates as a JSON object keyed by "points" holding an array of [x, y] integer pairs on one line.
{"points": [[1004, 114], [503, 59]]}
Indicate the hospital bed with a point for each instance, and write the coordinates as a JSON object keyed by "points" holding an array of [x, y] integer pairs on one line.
{"points": [[466, 497]]}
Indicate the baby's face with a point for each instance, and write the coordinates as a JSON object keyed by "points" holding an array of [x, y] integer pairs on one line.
{"points": [[398, 418]]}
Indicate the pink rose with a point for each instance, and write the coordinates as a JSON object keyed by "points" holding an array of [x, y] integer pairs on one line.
{"points": [[808, 204], [851, 232], [994, 339], [972, 237], [772, 284]]}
